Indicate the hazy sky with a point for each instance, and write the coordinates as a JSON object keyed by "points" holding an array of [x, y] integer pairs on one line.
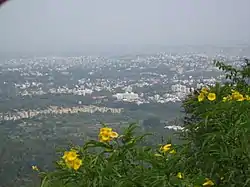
{"points": [[43, 25]]}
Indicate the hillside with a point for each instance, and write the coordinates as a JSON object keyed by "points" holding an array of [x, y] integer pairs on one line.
{"points": [[216, 150]]}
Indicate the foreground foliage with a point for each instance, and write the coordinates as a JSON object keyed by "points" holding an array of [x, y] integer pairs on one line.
{"points": [[216, 152]]}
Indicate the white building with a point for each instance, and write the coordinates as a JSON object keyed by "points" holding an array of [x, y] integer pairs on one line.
{"points": [[127, 96], [179, 88]]}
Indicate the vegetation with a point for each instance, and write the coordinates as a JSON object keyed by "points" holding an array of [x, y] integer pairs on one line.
{"points": [[216, 151]]}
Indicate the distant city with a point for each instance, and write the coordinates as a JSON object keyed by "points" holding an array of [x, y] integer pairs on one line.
{"points": [[125, 79]]}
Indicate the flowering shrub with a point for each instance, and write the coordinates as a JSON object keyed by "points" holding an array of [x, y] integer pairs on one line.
{"points": [[71, 159], [216, 151], [106, 134], [121, 161], [217, 130]]}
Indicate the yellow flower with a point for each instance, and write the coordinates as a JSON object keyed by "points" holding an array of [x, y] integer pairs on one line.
{"points": [[69, 164], [211, 96], [247, 98], [105, 130], [70, 155], [35, 168], [172, 151], [240, 97], [114, 134], [180, 175], [201, 97], [166, 147], [205, 90], [105, 138], [208, 183], [71, 159], [77, 163], [106, 134], [65, 155], [237, 96]]}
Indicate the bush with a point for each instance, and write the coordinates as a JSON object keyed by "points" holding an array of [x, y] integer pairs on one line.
{"points": [[216, 151]]}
